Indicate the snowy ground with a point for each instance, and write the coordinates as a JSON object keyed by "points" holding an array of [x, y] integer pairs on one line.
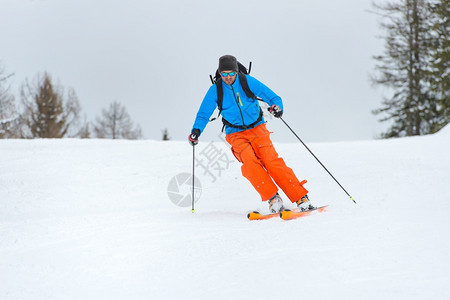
{"points": [[92, 219]]}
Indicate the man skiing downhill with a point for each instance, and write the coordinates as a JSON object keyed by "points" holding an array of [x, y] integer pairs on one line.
{"points": [[248, 136]]}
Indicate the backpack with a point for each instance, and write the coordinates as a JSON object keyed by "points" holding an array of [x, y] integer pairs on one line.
{"points": [[217, 79]]}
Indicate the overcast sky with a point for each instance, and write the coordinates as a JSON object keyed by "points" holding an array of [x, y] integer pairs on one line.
{"points": [[154, 57]]}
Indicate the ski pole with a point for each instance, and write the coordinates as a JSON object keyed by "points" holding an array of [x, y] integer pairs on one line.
{"points": [[351, 198], [193, 178]]}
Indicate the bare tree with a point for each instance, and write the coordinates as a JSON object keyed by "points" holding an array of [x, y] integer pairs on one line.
{"points": [[49, 112], [8, 114], [115, 123], [85, 131]]}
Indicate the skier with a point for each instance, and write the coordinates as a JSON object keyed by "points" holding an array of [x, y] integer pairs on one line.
{"points": [[248, 136]]}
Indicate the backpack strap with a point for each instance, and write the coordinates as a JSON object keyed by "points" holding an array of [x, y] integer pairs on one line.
{"points": [[248, 92], [245, 87], [225, 122], [217, 79], [219, 87]]}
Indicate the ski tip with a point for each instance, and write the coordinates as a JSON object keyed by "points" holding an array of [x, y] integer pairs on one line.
{"points": [[285, 214], [251, 215], [294, 214]]}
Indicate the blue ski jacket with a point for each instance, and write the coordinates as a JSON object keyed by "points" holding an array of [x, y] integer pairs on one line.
{"points": [[237, 108]]}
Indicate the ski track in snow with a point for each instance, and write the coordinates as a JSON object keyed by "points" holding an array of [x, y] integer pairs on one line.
{"points": [[91, 219]]}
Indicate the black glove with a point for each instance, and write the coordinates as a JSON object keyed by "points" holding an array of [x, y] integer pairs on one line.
{"points": [[193, 137], [276, 111]]}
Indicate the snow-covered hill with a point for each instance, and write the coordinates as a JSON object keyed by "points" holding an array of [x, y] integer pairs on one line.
{"points": [[92, 219]]}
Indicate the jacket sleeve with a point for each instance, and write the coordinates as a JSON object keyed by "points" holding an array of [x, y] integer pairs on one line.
{"points": [[262, 91], [206, 109]]}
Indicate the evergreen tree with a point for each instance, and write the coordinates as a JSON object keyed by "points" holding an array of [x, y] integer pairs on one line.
{"points": [[48, 112], [115, 123], [440, 59], [166, 136], [405, 67]]}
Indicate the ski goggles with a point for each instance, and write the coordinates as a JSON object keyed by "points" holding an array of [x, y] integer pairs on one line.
{"points": [[225, 74]]}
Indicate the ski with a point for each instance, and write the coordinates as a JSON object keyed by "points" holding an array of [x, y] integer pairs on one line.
{"points": [[295, 214], [255, 215], [285, 215]]}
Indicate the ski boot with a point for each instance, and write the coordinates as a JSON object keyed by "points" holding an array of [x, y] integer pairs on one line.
{"points": [[276, 204], [303, 204]]}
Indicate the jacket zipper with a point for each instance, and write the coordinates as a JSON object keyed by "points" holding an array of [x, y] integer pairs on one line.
{"points": [[237, 103]]}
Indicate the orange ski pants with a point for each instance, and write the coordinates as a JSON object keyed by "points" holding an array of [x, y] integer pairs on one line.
{"points": [[261, 164]]}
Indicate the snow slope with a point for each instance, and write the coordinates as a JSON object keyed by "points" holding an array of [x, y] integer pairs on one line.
{"points": [[92, 219]]}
